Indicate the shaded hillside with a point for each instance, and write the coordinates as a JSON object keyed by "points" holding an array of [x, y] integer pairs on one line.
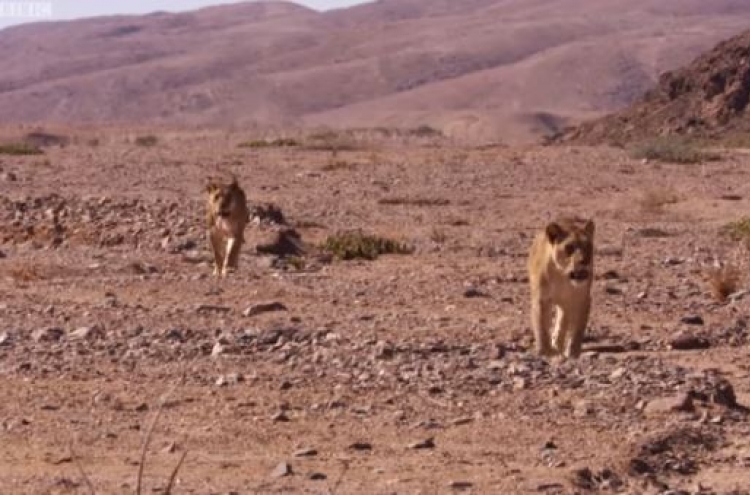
{"points": [[707, 98], [490, 70]]}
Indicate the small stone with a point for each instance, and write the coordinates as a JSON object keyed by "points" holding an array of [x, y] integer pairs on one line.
{"points": [[170, 448], [263, 308], [519, 383], [212, 308], [473, 292], [612, 290], [688, 342], [217, 350], [305, 453], [460, 485], [281, 470], [679, 403], [582, 408], [4, 338], [361, 446], [462, 421], [280, 417], [51, 334], [229, 379], [317, 476], [618, 373], [85, 333], [692, 320], [428, 443]]}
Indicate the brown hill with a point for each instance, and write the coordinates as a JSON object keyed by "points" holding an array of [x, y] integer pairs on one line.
{"points": [[492, 69], [707, 98]]}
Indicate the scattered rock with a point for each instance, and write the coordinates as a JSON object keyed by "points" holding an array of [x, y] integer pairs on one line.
{"points": [[280, 417], [263, 308], [688, 342], [460, 485], [428, 443], [582, 409], [86, 333], [229, 379], [50, 334], [287, 242], [281, 470], [360, 446], [4, 338], [692, 320], [679, 403], [317, 476], [305, 453], [472, 292]]}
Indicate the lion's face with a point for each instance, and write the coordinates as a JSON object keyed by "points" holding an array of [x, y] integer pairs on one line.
{"points": [[222, 198], [573, 249]]}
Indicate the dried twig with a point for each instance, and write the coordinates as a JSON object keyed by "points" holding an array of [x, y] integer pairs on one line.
{"points": [[173, 476], [81, 471]]}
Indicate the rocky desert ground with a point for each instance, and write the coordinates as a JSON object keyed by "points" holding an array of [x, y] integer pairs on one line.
{"points": [[410, 373]]}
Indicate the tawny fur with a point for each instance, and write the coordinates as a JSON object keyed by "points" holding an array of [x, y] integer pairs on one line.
{"points": [[561, 270], [227, 215]]}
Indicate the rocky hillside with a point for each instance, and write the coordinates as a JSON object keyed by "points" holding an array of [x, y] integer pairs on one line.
{"points": [[708, 98], [494, 70]]}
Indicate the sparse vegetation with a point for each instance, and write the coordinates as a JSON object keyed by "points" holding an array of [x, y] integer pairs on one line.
{"points": [[334, 165], [20, 149], [270, 143], [739, 230], [723, 282], [673, 150], [146, 141], [357, 245]]}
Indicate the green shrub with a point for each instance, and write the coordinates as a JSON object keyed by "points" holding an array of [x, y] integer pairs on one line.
{"points": [[20, 149], [357, 245]]}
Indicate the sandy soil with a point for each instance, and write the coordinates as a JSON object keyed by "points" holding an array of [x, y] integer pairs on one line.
{"points": [[108, 310]]}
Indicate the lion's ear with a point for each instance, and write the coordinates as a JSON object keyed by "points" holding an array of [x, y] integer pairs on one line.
{"points": [[211, 187], [555, 233], [589, 228]]}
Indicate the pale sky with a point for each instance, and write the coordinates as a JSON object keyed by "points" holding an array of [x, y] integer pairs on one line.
{"points": [[18, 11]]}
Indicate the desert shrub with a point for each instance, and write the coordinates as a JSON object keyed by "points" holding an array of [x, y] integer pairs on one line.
{"points": [[270, 143], [673, 150], [739, 230], [20, 149], [357, 245], [147, 141]]}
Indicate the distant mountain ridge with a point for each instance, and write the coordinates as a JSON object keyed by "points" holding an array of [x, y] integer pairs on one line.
{"points": [[497, 70]]}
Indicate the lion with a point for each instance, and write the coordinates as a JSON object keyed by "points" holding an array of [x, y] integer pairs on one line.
{"points": [[561, 271], [227, 215]]}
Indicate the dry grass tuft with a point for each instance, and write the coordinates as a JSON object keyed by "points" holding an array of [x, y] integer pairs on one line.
{"points": [[723, 282], [20, 149]]}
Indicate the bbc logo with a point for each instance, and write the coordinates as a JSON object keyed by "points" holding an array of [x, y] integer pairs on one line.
{"points": [[16, 10]]}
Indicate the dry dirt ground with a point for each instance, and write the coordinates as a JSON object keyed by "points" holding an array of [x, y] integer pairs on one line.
{"points": [[403, 375]]}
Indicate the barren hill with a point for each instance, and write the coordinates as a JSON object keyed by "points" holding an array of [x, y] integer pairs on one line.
{"points": [[489, 69], [707, 98]]}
